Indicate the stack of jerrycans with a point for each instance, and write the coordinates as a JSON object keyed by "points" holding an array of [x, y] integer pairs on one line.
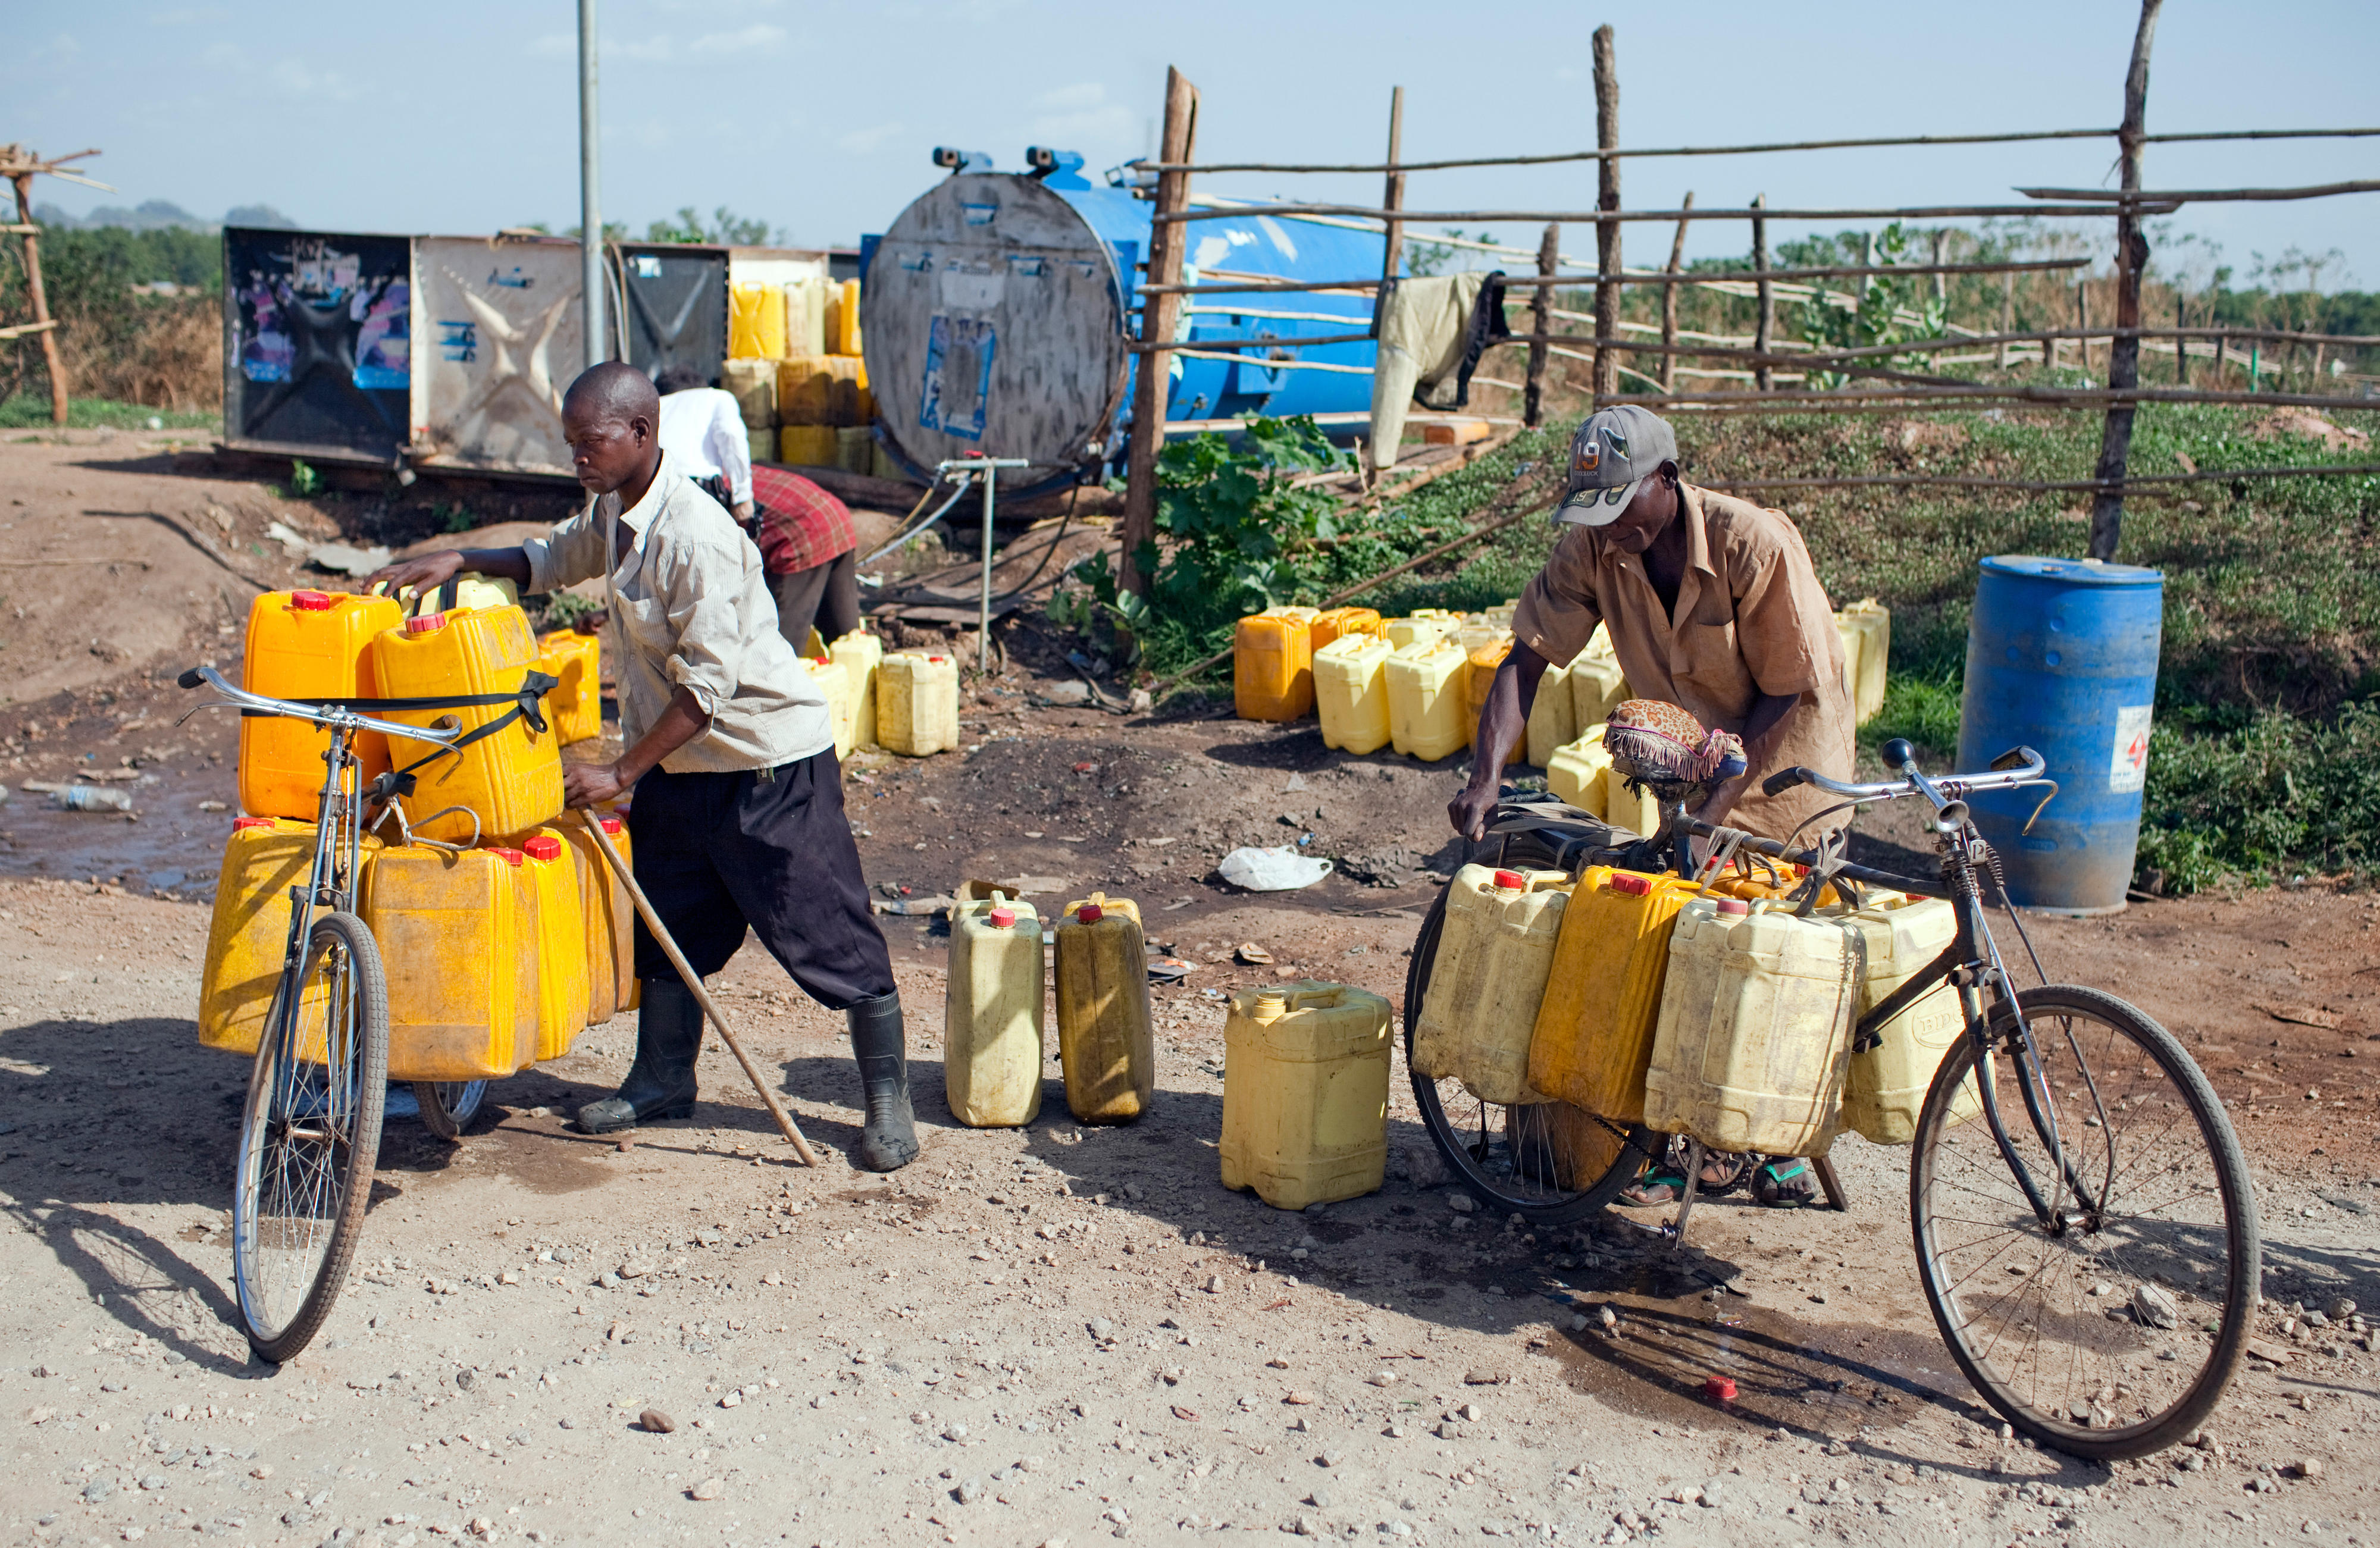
{"points": [[992, 1010], [1592, 1041], [1306, 1093]]}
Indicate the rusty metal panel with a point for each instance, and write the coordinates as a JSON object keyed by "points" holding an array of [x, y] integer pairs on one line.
{"points": [[673, 306], [317, 341], [498, 337]]}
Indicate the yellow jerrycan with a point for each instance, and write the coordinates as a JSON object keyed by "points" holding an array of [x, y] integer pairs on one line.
{"points": [[1596, 688], [1306, 1093], [859, 654], [1351, 693], [449, 934], [574, 706], [1870, 622], [1272, 665], [262, 860], [511, 778], [834, 684], [916, 703], [1475, 900], [607, 917], [1755, 1029], [1503, 1015], [305, 644], [992, 1013], [1104, 1041], [1594, 1036], [1424, 626], [1575, 772], [553, 925], [1886, 1085], [1426, 706], [1337, 623], [1554, 718], [755, 321]]}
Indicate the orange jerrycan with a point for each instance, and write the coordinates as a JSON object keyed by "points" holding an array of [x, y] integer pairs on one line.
{"points": [[262, 860], [1273, 664], [1104, 1041], [991, 1014], [1594, 1036], [449, 934], [1351, 693], [574, 706], [608, 915], [1480, 676], [305, 644], [510, 777], [1337, 623], [553, 925], [1306, 1093]]}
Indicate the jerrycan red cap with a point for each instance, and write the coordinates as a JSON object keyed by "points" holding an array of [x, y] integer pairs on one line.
{"points": [[1003, 918], [1632, 884], [1733, 905], [937, 658], [610, 825], [1090, 913], [509, 856], [425, 624], [238, 823], [1511, 881], [545, 846], [312, 601]]}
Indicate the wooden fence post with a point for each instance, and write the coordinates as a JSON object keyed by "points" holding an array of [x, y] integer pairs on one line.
{"points": [[1156, 319], [1766, 324], [1541, 322], [1393, 195], [1607, 198], [31, 237], [2131, 258], [2180, 344], [2008, 319], [1670, 301]]}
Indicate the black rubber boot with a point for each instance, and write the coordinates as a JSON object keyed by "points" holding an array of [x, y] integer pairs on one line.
{"points": [[660, 1084], [889, 1140]]}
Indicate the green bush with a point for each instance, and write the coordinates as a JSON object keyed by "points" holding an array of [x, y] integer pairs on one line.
{"points": [[2281, 793]]}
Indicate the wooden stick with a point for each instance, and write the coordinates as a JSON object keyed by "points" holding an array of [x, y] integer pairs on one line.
{"points": [[1149, 387], [702, 996], [1541, 321], [1605, 217], [22, 329], [1709, 276], [43, 322], [1393, 195], [2204, 196], [2131, 258], [1817, 399], [2040, 486], [1669, 299], [1763, 331], [1211, 347], [1606, 198]]}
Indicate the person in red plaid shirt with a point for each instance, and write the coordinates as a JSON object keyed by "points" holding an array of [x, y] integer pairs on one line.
{"points": [[811, 550]]}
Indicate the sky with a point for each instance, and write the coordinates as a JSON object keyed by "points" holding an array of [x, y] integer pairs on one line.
{"points": [[450, 118]]}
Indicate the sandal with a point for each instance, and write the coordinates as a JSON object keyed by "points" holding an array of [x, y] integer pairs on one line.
{"points": [[1723, 1173], [1660, 1184], [1784, 1184]]}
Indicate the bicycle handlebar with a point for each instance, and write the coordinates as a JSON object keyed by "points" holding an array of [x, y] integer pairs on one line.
{"points": [[325, 716], [1899, 754]]}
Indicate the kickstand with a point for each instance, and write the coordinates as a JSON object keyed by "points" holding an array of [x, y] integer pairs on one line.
{"points": [[1686, 1203], [1836, 1197]]}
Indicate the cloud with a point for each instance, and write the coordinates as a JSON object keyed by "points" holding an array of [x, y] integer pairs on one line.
{"points": [[862, 142], [299, 79], [555, 45], [651, 51], [759, 38], [1081, 115], [1083, 94]]}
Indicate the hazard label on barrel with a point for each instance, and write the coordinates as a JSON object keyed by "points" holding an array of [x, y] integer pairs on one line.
{"points": [[2130, 767]]}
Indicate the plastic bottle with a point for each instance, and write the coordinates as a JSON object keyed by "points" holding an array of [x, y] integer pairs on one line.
{"points": [[1594, 1034], [553, 926], [1884, 1088], [1427, 717], [1351, 693], [248, 933], [511, 779], [1475, 905], [1754, 1033], [859, 654], [916, 703], [1337, 623], [607, 917], [1104, 1040], [1306, 1093], [992, 1051], [1272, 665], [305, 644], [91, 798], [1553, 717], [574, 706], [448, 927], [1494, 1061]]}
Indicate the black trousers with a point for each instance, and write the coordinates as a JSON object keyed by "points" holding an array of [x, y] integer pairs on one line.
{"points": [[825, 595], [767, 848]]}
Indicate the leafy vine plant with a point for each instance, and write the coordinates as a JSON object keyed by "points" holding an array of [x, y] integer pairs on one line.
{"points": [[1886, 310]]}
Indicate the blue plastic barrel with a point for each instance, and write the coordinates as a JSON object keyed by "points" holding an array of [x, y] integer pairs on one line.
{"points": [[2062, 657]]}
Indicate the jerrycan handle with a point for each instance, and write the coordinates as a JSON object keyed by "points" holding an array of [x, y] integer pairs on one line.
{"points": [[1324, 995]]}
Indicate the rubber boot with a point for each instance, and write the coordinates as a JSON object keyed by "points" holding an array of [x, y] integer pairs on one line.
{"points": [[660, 1084], [889, 1140]]}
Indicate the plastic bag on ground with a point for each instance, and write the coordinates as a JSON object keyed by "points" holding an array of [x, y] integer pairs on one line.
{"points": [[1272, 870]]}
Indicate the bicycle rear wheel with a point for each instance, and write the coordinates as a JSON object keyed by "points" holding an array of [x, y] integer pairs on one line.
{"points": [[448, 1106], [309, 1138], [2113, 1330]]}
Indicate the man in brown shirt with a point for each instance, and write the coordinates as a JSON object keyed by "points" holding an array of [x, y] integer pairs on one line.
{"points": [[1712, 604]]}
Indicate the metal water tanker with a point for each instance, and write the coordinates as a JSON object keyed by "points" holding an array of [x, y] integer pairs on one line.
{"points": [[2062, 657], [1001, 309]]}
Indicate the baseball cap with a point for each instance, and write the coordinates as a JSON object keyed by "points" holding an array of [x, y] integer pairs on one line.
{"points": [[1614, 452]]}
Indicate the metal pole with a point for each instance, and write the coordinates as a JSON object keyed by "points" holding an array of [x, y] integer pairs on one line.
{"points": [[983, 619], [591, 201]]}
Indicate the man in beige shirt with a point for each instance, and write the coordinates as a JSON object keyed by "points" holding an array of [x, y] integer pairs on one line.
{"points": [[738, 815]]}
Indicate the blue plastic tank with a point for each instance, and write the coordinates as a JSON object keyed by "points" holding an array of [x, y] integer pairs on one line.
{"points": [[2062, 657]]}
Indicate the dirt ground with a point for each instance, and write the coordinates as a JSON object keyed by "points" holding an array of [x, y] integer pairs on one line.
{"points": [[1052, 1334]]}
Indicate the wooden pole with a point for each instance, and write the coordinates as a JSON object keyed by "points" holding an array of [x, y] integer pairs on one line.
{"points": [[1763, 330], [1606, 198], [2181, 340], [29, 233], [2008, 318], [1540, 322], [1942, 281], [2131, 258], [1156, 319], [1522, 282], [694, 983], [1670, 301], [1392, 197]]}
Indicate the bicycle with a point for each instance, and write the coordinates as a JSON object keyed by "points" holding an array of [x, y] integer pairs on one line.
{"points": [[309, 1132], [2025, 1223]]}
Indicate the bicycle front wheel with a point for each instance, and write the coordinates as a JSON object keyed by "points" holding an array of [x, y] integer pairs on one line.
{"points": [[2112, 1328], [309, 1138]]}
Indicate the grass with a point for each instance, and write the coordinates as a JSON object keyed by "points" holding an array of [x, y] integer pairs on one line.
{"points": [[25, 412]]}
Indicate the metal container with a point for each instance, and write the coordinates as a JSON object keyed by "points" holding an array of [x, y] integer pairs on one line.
{"points": [[317, 342], [675, 310], [502, 337], [2062, 657], [1001, 309]]}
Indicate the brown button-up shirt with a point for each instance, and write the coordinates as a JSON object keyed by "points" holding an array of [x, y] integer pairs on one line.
{"points": [[1751, 618]]}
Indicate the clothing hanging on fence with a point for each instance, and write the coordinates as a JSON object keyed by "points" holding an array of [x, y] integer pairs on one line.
{"points": [[1432, 334]]}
